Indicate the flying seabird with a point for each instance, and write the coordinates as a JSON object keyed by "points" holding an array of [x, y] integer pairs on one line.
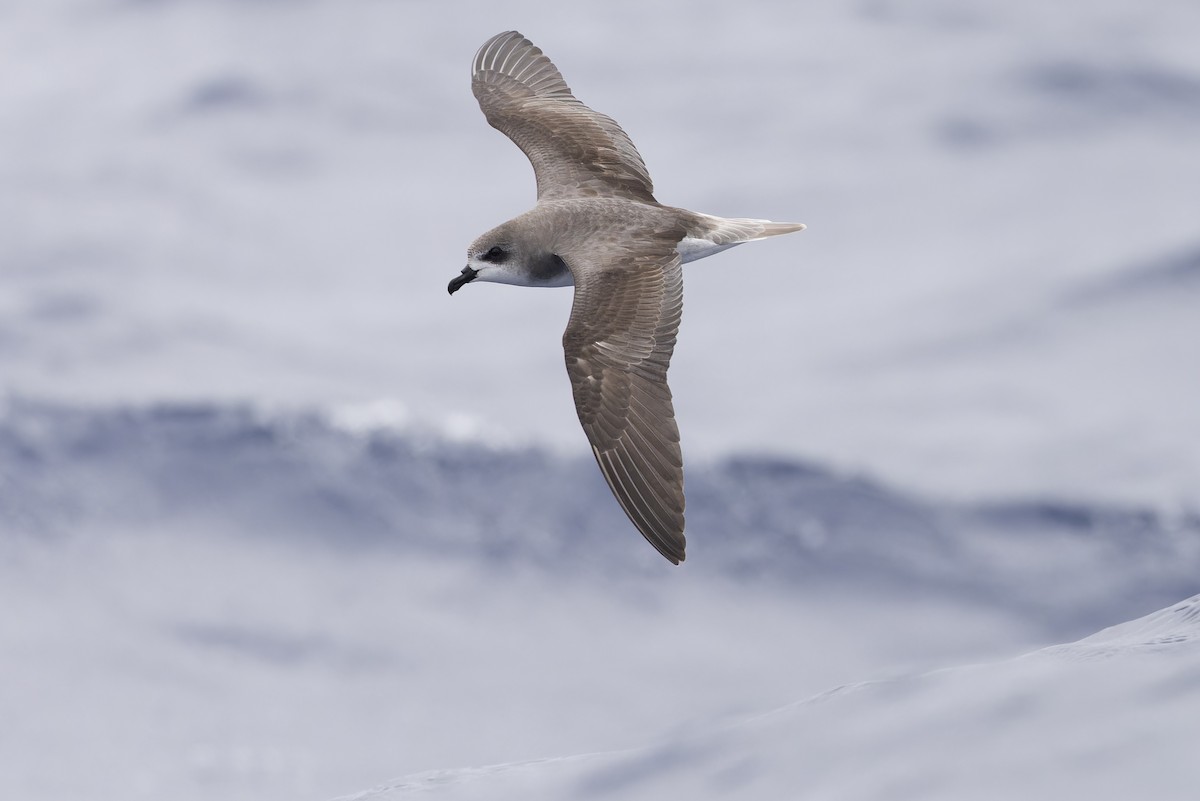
{"points": [[597, 226]]}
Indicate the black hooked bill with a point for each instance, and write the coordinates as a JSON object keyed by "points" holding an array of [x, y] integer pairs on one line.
{"points": [[468, 275]]}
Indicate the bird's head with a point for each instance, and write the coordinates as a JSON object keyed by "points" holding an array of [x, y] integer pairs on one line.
{"points": [[503, 256]]}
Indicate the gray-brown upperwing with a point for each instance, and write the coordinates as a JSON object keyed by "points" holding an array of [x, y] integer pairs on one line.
{"points": [[575, 152], [618, 344]]}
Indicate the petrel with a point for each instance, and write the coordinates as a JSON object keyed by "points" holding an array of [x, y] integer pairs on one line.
{"points": [[597, 226]]}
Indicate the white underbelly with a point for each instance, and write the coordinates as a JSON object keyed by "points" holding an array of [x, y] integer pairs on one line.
{"points": [[690, 248]]}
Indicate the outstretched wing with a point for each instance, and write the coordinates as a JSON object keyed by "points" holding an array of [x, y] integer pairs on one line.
{"points": [[575, 152], [618, 346]]}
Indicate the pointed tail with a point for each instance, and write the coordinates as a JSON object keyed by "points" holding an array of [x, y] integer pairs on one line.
{"points": [[732, 231]]}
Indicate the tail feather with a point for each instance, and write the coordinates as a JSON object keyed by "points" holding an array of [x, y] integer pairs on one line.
{"points": [[732, 231]]}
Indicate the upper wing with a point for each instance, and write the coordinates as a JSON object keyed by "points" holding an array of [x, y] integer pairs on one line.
{"points": [[618, 346], [575, 151]]}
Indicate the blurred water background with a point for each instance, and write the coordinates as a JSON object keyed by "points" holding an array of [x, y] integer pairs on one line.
{"points": [[278, 519]]}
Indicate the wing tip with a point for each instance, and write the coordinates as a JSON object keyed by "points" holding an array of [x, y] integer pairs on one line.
{"points": [[664, 533], [513, 55], [670, 551]]}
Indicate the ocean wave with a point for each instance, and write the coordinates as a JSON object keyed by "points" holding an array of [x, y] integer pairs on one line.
{"points": [[316, 478]]}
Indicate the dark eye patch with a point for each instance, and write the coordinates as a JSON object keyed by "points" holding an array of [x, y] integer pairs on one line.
{"points": [[496, 255]]}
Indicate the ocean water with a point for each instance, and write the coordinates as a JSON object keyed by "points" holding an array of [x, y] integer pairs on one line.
{"points": [[280, 519]]}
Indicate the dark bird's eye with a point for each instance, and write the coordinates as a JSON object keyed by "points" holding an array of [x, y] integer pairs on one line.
{"points": [[495, 254]]}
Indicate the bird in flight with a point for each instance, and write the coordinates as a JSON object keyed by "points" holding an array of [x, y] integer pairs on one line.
{"points": [[597, 226]]}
